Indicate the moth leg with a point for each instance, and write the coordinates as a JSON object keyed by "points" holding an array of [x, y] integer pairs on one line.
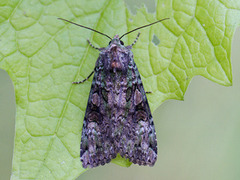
{"points": [[92, 45], [84, 79], [148, 92], [135, 40]]}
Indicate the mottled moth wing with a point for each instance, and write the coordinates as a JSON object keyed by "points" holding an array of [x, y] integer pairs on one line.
{"points": [[118, 117], [138, 140], [97, 144]]}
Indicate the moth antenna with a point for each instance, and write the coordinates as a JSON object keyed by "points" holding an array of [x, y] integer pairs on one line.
{"points": [[85, 27], [135, 39], [92, 45], [143, 27]]}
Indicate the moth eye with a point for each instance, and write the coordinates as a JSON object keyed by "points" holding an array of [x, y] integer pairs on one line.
{"points": [[121, 42], [109, 42]]}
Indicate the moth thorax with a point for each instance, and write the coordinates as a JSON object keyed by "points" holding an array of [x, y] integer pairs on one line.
{"points": [[116, 64]]}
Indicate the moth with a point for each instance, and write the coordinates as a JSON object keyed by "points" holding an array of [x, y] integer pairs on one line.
{"points": [[117, 118]]}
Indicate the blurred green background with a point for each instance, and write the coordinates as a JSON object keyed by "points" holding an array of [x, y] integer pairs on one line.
{"points": [[198, 138]]}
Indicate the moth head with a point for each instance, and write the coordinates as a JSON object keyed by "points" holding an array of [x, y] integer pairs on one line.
{"points": [[116, 41]]}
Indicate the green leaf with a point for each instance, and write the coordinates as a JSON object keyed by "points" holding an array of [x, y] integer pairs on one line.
{"points": [[43, 56]]}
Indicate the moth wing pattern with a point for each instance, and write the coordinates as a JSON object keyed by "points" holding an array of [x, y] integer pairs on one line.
{"points": [[138, 140], [97, 146], [118, 118]]}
